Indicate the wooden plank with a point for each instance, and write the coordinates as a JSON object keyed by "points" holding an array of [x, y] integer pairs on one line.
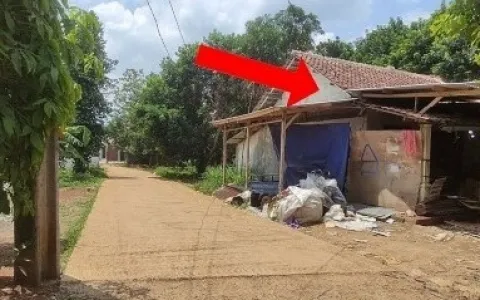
{"points": [[457, 93], [290, 122], [224, 158], [426, 134], [283, 138], [247, 165], [430, 105]]}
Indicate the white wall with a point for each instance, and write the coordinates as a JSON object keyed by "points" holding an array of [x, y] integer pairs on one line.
{"points": [[263, 159], [328, 93]]}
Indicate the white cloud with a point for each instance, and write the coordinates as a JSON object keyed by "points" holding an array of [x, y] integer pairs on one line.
{"points": [[132, 37], [323, 37], [415, 15]]}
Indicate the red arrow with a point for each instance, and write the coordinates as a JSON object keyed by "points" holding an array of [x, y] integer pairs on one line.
{"points": [[299, 83]]}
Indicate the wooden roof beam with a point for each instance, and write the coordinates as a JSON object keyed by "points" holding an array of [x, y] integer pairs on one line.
{"points": [[455, 93], [430, 105]]}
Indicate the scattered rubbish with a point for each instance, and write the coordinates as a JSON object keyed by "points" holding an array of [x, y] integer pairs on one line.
{"points": [[360, 241], [410, 213], [444, 237], [390, 221], [335, 213], [328, 186], [335, 217], [306, 206], [380, 213], [240, 199], [381, 233], [227, 192], [293, 223]]}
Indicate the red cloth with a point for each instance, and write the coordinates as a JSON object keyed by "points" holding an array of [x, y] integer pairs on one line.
{"points": [[410, 142]]}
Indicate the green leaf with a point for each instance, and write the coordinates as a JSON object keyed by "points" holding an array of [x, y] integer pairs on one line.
{"points": [[45, 5], [26, 130], [17, 62], [9, 21], [36, 141], [54, 73], [49, 108], [9, 125], [43, 80], [39, 101]]}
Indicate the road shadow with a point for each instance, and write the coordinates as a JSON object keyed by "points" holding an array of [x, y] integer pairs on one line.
{"points": [[121, 178], [71, 288]]}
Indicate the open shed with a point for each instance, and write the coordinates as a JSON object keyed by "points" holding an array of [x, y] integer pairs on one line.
{"points": [[376, 141]]}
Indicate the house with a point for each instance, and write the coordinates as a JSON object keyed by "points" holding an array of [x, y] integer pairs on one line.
{"points": [[110, 152], [379, 131]]}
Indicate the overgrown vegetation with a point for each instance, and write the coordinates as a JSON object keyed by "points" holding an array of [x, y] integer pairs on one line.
{"points": [[93, 177], [213, 179], [207, 183]]}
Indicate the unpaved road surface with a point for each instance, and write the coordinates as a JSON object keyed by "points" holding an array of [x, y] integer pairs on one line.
{"points": [[152, 239]]}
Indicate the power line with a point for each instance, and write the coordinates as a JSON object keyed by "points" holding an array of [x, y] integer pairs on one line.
{"points": [[176, 21], [158, 29]]}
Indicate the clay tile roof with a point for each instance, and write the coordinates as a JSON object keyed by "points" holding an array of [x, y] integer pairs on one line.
{"points": [[353, 75]]}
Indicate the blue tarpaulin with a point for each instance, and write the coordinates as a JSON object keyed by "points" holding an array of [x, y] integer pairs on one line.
{"points": [[313, 147]]}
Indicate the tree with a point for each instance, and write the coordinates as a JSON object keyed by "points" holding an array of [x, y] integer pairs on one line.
{"points": [[85, 30], [37, 99], [336, 48], [376, 47], [271, 38], [461, 18]]}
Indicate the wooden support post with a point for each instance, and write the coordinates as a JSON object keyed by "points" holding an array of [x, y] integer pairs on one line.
{"points": [[426, 134], [247, 164], [38, 236], [224, 158], [415, 109], [283, 137]]}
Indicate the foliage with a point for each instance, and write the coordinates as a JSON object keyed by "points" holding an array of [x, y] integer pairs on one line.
{"points": [[74, 139], [213, 179], [184, 174], [336, 48], [165, 118], [92, 177], [460, 19], [37, 95], [85, 30]]}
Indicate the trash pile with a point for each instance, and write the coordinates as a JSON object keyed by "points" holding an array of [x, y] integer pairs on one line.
{"points": [[314, 200]]}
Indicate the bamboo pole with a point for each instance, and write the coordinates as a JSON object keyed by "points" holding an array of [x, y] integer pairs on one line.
{"points": [[247, 165], [281, 168], [224, 158], [426, 133]]}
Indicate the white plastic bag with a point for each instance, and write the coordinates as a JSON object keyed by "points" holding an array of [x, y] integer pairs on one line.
{"points": [[306, 205]]}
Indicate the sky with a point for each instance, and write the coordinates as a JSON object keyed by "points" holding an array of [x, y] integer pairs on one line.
{"points": [[132, 37]]}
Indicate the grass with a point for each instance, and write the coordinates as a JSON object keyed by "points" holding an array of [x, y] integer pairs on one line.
{"points": [[213, 179], [74, 212], [186, 174], [210, 181], [92, 178]]}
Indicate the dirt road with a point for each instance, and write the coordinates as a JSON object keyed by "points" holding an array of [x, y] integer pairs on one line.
{"points": [[151, 239]]}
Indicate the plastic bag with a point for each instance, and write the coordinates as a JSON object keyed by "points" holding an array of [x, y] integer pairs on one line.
{"points": [[305, 205]]}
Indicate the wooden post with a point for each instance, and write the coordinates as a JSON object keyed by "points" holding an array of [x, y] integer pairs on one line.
{"points": [[247, 165], [426, 133], [224, 158], [283, 137], [38, 236], [415, 109]]}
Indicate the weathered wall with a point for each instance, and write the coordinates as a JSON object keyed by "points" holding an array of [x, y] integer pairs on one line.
{"points": [[328, 93], [381, 172], [263, 159]]}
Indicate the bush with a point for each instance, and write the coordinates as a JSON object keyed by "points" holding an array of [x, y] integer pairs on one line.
{"points": [[185, 174], [92, 177], [213, 179]]}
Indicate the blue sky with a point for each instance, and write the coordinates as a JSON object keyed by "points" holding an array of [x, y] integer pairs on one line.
{"points": [[132, 38]]}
